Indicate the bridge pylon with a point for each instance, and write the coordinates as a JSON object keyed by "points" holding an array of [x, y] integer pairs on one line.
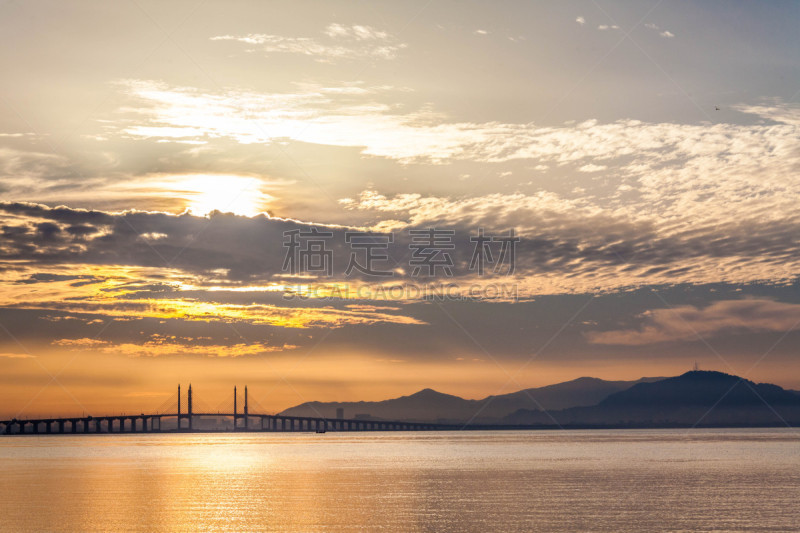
{"points": [[236, 415], [188, 414], [189, 406], [235, 411]]}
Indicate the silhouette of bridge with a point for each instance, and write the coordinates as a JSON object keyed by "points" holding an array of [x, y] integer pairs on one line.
{"points": [[184, 421]]}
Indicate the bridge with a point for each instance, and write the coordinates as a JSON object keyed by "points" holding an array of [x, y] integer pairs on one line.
{"points": [[184, 421]]}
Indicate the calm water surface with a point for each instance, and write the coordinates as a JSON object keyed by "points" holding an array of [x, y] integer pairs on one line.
{"points": [[663, 480]]}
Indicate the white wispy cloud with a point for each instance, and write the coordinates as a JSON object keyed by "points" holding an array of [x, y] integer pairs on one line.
{"points": [[337, 42], [663, 33], [580, 20], [358, 32], [592, 168], [360, 116]]}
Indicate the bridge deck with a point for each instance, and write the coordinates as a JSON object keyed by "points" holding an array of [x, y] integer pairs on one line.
{"points": [[242, 422]]}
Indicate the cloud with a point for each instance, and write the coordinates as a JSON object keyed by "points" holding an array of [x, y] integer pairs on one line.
{"points": [[666, 34], [591, 168], [353, 116], [171, 345], [340, 42], [651, 227], [80, 343], [8, 355], [667, 202], [357, 32], [689, 323], [580, 20], [578, 243], [604, 27]]}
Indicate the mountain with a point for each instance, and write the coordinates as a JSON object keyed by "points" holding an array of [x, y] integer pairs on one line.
{"points": [[430, 405], [697, 397], [701, 388], [425, 405], [575, 393]]}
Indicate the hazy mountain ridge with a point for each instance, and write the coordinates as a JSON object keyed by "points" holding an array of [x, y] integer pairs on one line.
{"points": [[430, 405], [694, 398]]}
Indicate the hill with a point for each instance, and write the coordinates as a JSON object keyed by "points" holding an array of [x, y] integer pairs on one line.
{"points": [[430, 405], [697, 397]]}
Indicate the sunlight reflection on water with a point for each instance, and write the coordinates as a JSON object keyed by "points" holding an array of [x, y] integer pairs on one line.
{"points": [[477, 481]]}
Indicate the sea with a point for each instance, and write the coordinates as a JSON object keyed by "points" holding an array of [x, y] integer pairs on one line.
{"points": [[570, 480]]}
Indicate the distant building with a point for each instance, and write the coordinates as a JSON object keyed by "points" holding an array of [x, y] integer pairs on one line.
{"points": [[363, 416], [340, 413]]}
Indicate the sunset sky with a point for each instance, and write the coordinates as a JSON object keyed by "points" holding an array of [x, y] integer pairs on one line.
{"points": [[153, 155]]}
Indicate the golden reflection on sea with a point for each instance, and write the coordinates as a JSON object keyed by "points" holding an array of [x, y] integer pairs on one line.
{"points": [[723, 480]]}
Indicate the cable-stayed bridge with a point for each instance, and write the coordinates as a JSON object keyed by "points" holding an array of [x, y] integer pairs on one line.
{"points": [[182, 417]]}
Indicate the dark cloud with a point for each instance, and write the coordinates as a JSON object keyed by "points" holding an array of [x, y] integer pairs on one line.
{"points": [[81, 230], [252, 248], [43, 277]]}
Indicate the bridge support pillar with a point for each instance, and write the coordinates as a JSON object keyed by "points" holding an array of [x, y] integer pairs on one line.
{"points": [[189, 405]]}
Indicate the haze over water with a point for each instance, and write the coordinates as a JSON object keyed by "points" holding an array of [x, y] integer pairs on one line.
{"points": [[615, 480]]}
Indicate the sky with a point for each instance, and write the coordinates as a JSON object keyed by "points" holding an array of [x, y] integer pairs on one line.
{"points": [[163, 167]]}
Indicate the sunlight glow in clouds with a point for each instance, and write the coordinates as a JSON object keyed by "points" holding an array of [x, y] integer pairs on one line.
{"points": [[229, 194]]}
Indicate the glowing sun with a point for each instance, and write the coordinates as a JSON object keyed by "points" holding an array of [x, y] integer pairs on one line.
{"points": [[230, 194]]}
